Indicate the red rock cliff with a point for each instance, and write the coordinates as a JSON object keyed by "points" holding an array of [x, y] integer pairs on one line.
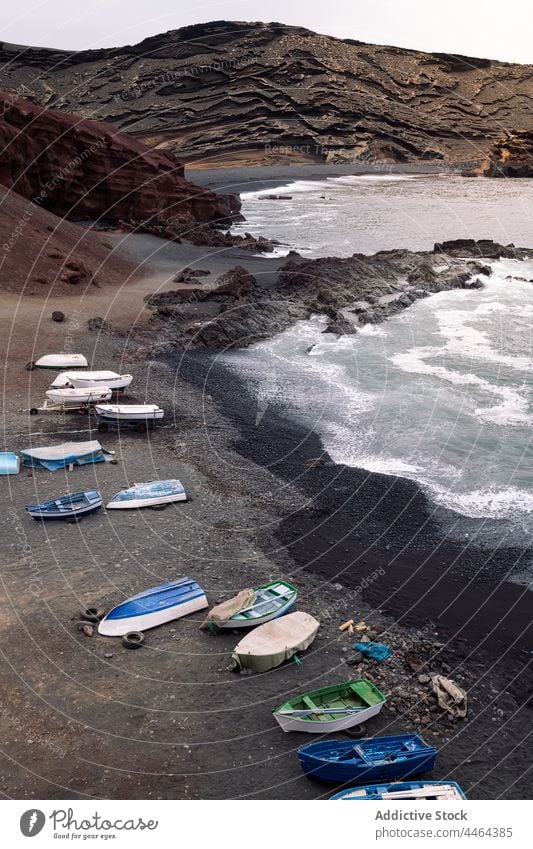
{"points": [[83, 169]]}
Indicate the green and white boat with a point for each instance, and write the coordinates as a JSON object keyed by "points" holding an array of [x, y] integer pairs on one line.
{"points": [[264, 603], [331, 708]]}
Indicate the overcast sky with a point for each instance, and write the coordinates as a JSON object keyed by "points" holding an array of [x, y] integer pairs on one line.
{"points": [[488, 28]]}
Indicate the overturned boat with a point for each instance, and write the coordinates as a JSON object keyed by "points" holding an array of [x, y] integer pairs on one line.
{"points": [[59, 361], [151, 494], [423, 790], [154, 607], [101, 379], [9, 463], [378, 758], [71, 507], [270, 644], [332, 708], [67, 454]]}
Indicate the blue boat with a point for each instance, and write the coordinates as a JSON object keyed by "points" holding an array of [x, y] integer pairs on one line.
{"points": [[339, 761], [64, 455], [151, 494], [154, 607], [404, 790], [9, 463], [72, 506]]}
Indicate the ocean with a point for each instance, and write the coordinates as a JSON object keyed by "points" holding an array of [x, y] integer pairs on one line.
{"points": [[440, 393]]}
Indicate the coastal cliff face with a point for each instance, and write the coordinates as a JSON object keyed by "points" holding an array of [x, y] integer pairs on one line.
{"points": [[84, 169], [254, 92], [511, 157]]}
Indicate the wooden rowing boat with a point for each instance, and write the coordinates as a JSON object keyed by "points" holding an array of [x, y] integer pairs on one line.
{"points": [[272, 643], [332, 708]]}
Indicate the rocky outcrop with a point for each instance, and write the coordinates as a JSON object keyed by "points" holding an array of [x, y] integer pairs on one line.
{"points": [[511, 157], [87, 170], [349, 292], [269, 92]]}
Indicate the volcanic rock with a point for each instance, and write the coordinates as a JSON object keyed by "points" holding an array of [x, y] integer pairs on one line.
{"points": [[258, 92]]}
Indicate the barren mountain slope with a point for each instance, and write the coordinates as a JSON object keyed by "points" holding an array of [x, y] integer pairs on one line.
{"points": [[227, 89]]}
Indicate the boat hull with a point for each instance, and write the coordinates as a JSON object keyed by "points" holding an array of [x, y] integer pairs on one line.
{"points": [[146, 495], [116, 413], [296, 723], [58, 362], [115, 383], [423, 790], [9, 463], [74, 397], [153, 608], [271, 644], [236, 623], [377, 759], [67, 507]]}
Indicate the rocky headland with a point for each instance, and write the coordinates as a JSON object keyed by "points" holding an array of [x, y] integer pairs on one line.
{"points": [[238, 308]]}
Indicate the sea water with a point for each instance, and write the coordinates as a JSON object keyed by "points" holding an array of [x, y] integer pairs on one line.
{"points": [[440, 393]]}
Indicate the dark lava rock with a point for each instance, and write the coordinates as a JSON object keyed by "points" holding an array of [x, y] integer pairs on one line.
{"points": [[57, 315]]}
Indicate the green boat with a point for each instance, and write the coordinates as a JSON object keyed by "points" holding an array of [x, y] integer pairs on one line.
{"points": [[331, 708]]}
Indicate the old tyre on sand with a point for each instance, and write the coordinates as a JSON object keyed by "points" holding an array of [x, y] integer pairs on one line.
{"points": [[133, 640]]}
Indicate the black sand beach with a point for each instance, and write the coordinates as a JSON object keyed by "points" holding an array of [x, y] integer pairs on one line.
{"points": [[82, 717]]}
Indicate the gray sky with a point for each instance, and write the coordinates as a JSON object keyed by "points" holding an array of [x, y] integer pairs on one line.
{"points": [[488, 28]]}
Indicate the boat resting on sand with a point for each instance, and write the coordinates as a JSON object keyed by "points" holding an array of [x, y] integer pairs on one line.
{"points": [[78, 397], [149, 494], [67, 454], [9, 463], [59, 361], [332, 708], [378, 758], [100, 379], [262, 604], [67, 507], [403, 790], [154, 607], [272, 643], [128, 412]]}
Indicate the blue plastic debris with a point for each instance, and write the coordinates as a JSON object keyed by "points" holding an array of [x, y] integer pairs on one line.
{"points": [[375, 651]]}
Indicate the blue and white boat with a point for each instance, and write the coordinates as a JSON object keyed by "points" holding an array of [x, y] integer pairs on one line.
{"points": [[342, 761], [72, 506], [154, 607], [397, 792], [9, 463], [148, 495]]}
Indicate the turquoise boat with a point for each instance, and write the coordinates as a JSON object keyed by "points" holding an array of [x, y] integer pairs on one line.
{"points": [[9, 463]]}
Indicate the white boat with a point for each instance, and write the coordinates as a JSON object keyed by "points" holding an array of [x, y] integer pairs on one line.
{"points": [[148, 495], [332, 708], [60, 361], [74, 397], [92, 379], [270, 644], [154, 607], [129, 412]]}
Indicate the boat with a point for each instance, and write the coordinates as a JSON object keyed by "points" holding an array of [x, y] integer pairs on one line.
{"points": [[9, 463], [148, 494], [332, 708], [154, 607], [92, 379], [418, 790], [76, 397], [60, 361], [269, 602], [129, 412], [67, 454], [270, 644], [385, 758], [72, 506]]}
